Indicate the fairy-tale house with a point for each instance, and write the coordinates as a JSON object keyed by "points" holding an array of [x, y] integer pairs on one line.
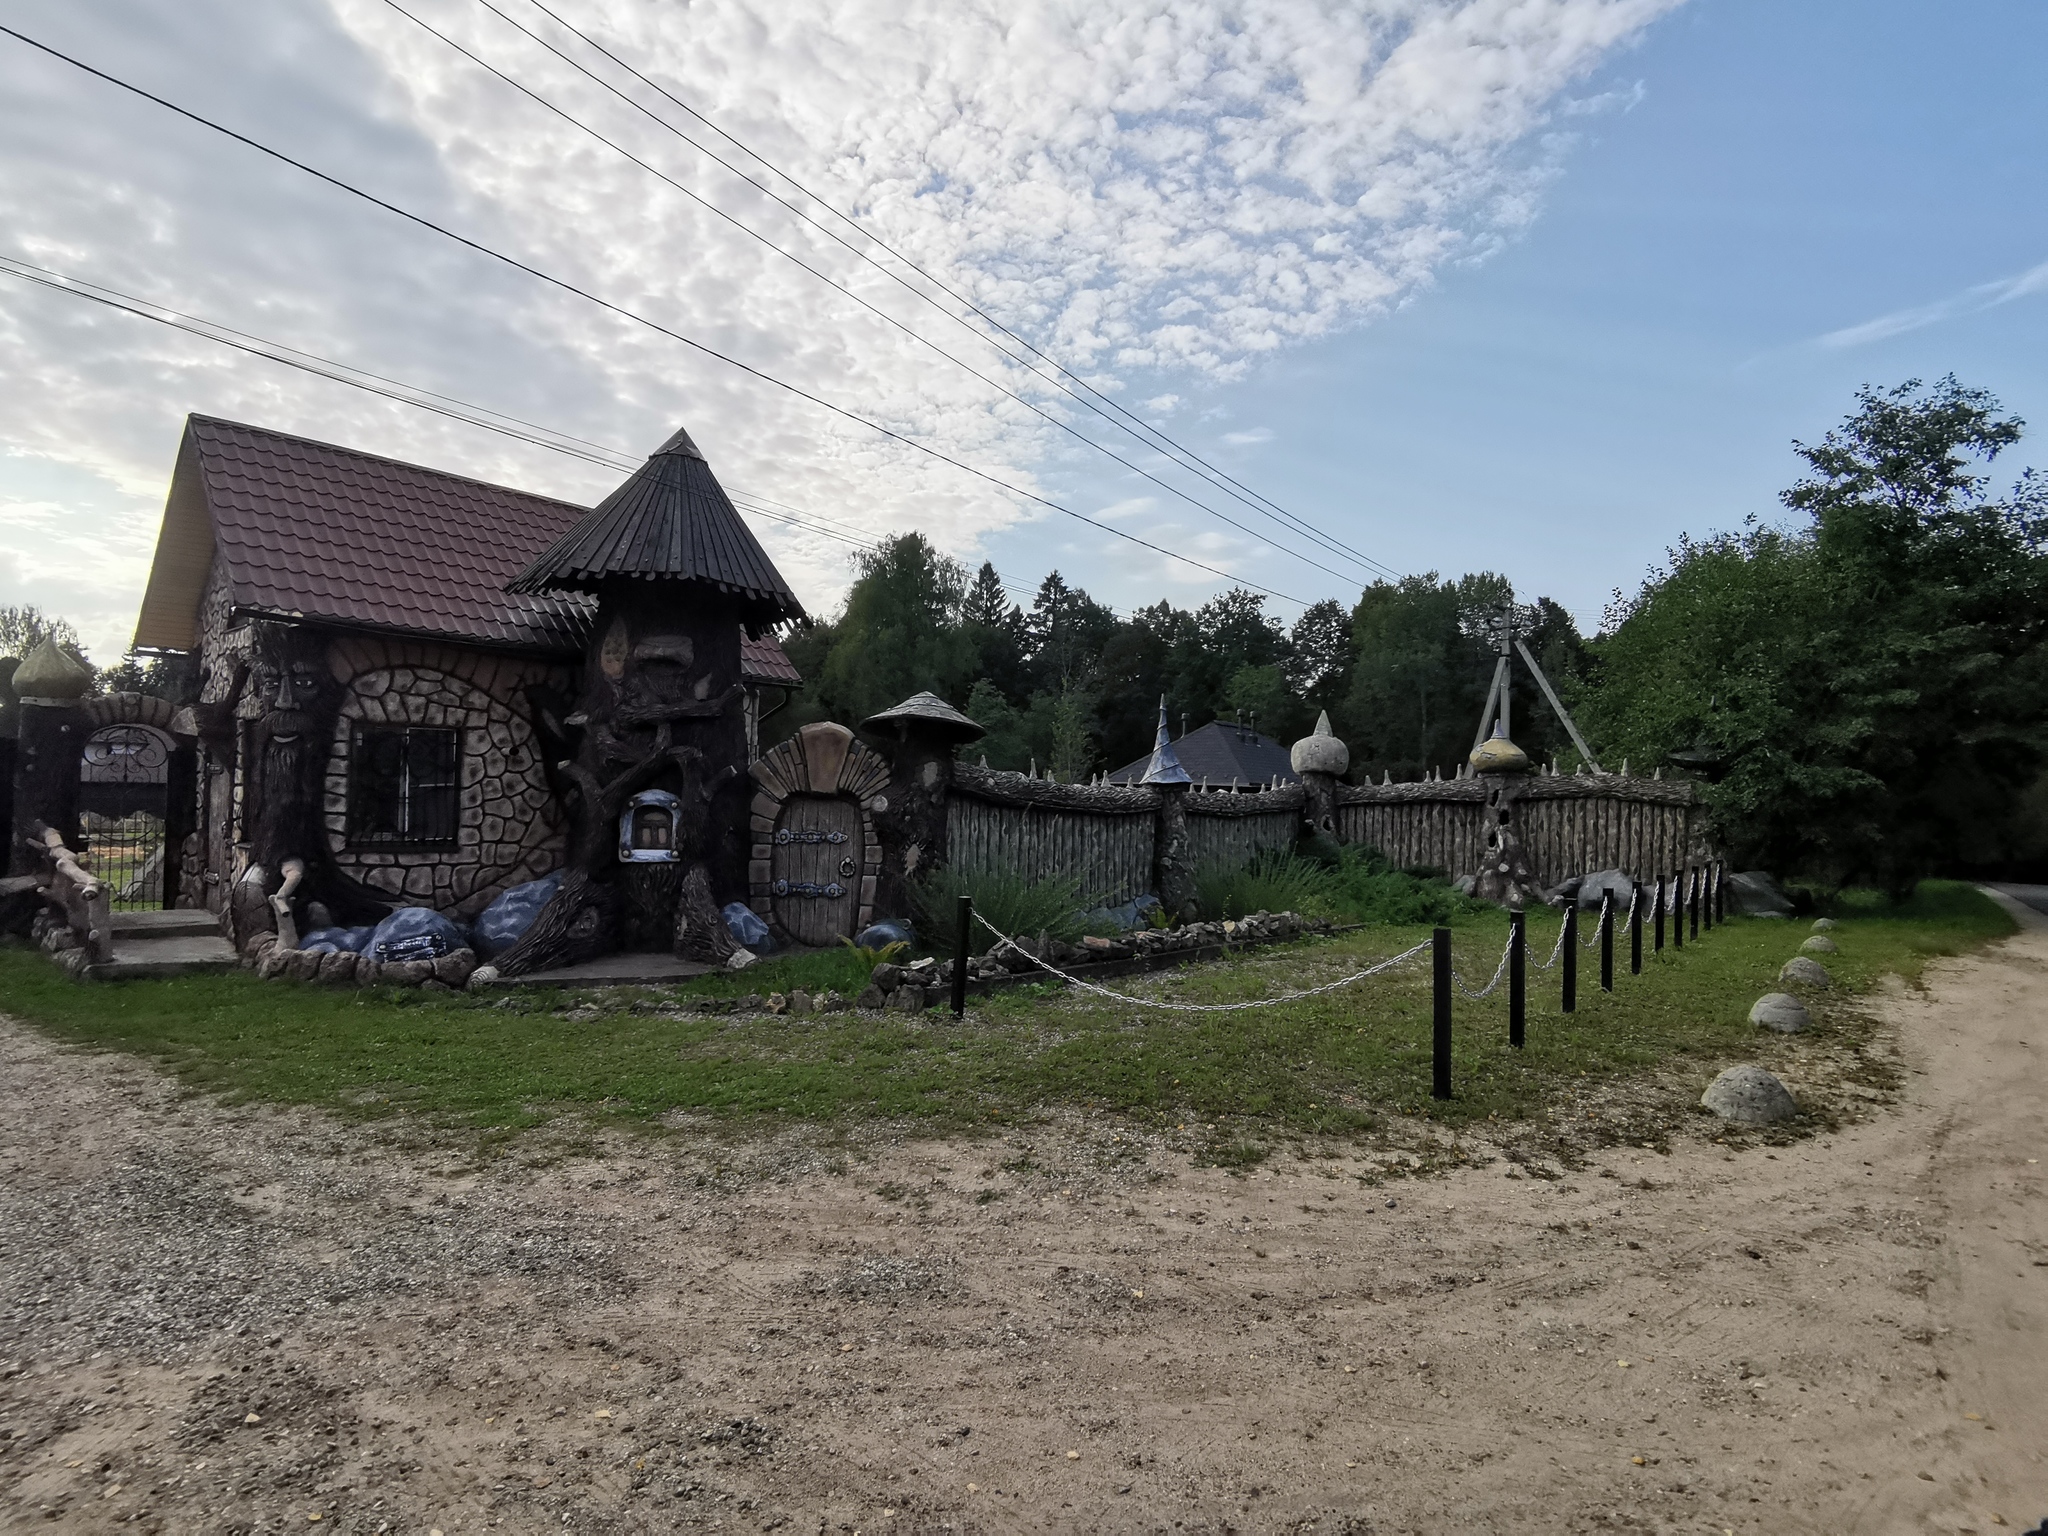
{"points": [[418, 688]]}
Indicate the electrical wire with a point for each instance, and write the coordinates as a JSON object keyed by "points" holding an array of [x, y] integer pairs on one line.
{"points": [[421, 398], [1122, 418], [874, 309], [627, 314]]}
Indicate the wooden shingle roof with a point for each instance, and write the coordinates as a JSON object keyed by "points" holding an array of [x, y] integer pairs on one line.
{"points": [[670, 521]]}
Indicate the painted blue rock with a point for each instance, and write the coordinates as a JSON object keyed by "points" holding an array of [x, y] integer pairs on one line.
{"points": [[505, 921], [414, 933]]}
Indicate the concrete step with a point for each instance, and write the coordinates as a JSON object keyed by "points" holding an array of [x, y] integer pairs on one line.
{"points": [[155, 958], [156, 923]]}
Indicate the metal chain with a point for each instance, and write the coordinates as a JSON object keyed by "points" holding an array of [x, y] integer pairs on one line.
{"points": [[1005, 941], [1555, 950], [1635, 894], [1498, 972]]}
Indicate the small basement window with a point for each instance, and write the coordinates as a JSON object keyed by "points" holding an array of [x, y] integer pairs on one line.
{"points": [[404, 786]]}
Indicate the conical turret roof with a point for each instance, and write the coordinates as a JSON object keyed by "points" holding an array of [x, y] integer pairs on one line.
{"points": [[671, 521]]}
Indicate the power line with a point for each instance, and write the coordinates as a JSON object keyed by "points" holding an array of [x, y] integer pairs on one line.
{"points": [[1122, 418], [832, 282], [620, 310], [417, 396]]}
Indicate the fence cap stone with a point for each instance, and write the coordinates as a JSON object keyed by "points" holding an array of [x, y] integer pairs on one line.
{"points": [[1780, 1011], [1749, 1096], [1321, 752], [51, 672]]}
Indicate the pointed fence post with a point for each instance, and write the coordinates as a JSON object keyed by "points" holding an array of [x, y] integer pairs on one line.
{"points": [[962, 946], [1440, 1034], [1607, 940], [1518, 977], [1635, 931], [1569, 1002]]}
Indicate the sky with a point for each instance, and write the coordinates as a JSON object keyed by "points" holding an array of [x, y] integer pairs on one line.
{"points": [[1532, 286]]}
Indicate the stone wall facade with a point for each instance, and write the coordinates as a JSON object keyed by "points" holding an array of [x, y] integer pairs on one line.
{"points": [[510, 827]]}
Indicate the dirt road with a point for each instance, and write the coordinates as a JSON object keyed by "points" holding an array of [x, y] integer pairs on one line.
{"points": [[221, 1319]]}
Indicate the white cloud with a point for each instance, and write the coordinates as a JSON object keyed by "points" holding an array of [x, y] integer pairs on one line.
{"points": [[1970, 301], [1162, 195], [1250, 438]]}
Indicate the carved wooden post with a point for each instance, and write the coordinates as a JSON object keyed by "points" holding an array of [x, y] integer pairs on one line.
{"points": [[1173, 869], [919, 737], [1321, 760], [48, 684], [1505, 876]]}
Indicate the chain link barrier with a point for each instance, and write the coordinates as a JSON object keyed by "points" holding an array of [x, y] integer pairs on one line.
{"points": [[1499, 971], [1004, 941]]}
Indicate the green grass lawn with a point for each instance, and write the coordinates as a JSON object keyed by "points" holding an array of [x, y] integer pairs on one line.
{"points": [[1328, 1064]]}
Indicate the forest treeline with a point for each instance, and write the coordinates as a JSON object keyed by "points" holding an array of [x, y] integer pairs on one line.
{"points": [[1862, 691]]}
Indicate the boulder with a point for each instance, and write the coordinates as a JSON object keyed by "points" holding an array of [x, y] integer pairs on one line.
{"points": [[414, 934], [1780, 1011], [800, 1002], [405, 973], [1593, 887], [273, 959], [505, 921], [907, 999], [368, 972], [886, 976], [1821, 944], [740, 959], [879, 935], [871, 996], [746, 927], [1753, 893], [1749, 1096], [454, 970], [431, 985], [301, 965], [1465, 885], [329, 939], [1805, 972], [832, 1002], [1823, 924], [777, 1003], [483, 976]]}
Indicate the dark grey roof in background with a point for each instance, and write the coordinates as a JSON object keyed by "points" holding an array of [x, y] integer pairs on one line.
{"points": [[670, 521], [1220, 752]]}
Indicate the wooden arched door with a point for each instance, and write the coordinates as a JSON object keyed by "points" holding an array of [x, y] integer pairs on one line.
{"points": [[816, 867]]}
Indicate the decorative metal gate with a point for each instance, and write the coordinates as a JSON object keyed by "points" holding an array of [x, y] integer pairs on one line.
{"points": [[123, 803]]}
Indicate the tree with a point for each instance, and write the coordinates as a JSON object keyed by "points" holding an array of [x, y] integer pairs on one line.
{"points": [[1867, 689], [1064, 633], [899, 634], [1319, 654], [24, 626]]}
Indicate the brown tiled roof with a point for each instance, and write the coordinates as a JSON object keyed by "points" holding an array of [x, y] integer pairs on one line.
{"points": [[314, 530], [671, 520], [763, 661]]}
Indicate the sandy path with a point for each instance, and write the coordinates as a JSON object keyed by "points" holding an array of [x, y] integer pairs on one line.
{"points": [[1061, 1330]]}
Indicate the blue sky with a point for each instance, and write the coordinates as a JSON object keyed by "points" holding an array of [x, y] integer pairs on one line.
{"points": [[1530, 287], [1638, 361]]}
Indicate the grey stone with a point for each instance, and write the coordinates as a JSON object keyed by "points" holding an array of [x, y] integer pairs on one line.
{"points": [[871, 996], [1823, 924], [886, 976], [1805, 972], [1594, 886], [1821, 944], [368, 972], [1749, 1096], [271, 960], [406, 973], [800, 1002], [907, 999], [431, 985], [302, 965], [453, 969], [338, 969], [1753, 893], [1780, 1011]]}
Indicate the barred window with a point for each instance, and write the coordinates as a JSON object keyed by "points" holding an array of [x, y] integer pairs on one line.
{"points": [[404, 786]]}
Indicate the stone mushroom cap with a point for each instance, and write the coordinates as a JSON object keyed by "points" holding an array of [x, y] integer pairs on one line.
{"points": [[926, 712], [1321, 752], [1749, 1096], [1497, 754], [51, 672]]}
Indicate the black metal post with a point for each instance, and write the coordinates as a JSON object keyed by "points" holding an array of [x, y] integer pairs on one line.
{"points": [[1707, 897], [1518, 978], [1570, 1001], [1657, 913], [1692, 906], [1720, 890], [1635, 931], [1678, 907], [1440, 1041], [1607, 941], [962, 946]]}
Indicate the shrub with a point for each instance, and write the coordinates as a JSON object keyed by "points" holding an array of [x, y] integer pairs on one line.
{"points": [[1020, 907], [1365, 888], [1272, 882]]}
